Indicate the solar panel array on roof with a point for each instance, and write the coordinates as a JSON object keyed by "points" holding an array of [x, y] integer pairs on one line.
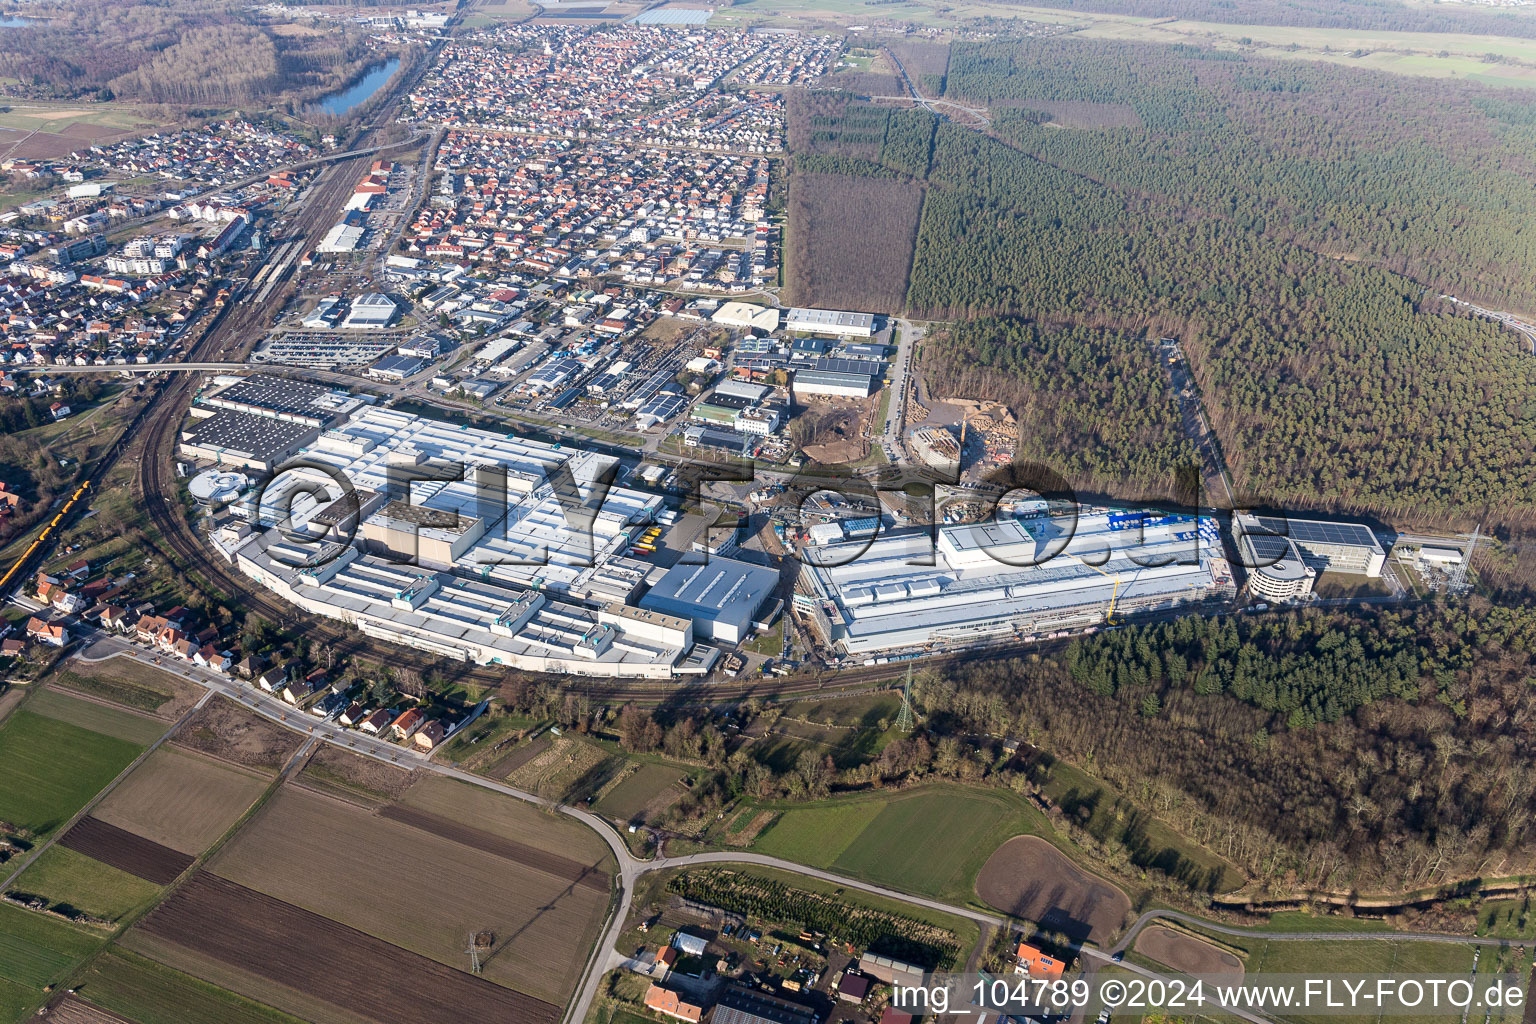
{"points": [[663, 406], [1318, 532]]}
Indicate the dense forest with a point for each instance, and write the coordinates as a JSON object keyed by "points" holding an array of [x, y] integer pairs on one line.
{"points": [[208, 52], [1375, 15], [1093, 405], [1372, 749], [1329, 383], [1436, 181], [1268, 214], [850, 240]]}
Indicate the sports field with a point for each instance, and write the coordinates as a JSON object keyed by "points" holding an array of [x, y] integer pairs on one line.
{"points": [[181, 799], [53, 767], [931, 841]]}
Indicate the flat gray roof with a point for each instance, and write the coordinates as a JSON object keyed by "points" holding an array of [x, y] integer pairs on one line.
{"points": [[260, 436], [275, 394]]}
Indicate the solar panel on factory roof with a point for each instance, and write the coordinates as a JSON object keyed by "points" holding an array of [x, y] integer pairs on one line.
{"points": [[1317, 532]]}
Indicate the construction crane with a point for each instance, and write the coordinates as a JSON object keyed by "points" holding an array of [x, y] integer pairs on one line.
{"points": [[1109, 616]]}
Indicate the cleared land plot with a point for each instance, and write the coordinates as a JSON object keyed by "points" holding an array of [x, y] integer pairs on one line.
{"points": [[931, 842], [152, 993], [1188, 954], [180, 799], [52, 768], [96, 716], [323, 854], [1029, 878], [642, 795], [76, 1011], [126, 851], [372, 977], [69, 878], [225, 730], [355, 777], [132, 684], [851, 241]]}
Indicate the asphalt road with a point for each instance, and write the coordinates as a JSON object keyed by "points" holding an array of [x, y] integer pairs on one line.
{"points": [[606, 956]]}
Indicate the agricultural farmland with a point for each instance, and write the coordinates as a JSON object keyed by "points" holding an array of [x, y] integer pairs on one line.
{"points": [[95, 716], [318, 852], [930, 841], [126, 851], [372, 977], [1029, 878], [151, 993], [181, 799], [66, 877], [53, 768], [35, 951]]}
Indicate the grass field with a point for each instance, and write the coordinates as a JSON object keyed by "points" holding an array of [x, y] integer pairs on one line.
{"points": [[323, 854], [631, 798], [181, 799], [116, 691], [1506, 919], [52, 768], [1068, 787], [818, 835], [932, 841], [151, 993], [89, 714], [35, 951], [65, 876]]}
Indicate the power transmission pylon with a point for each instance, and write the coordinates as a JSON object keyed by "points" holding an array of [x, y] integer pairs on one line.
{"points": [[1458, 582], [474, 954], [904, 722]]}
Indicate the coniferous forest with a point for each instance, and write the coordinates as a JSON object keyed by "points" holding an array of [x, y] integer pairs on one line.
{"points": [[1294, 224]]}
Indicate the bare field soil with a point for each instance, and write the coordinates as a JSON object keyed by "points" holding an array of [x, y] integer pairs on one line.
{"points": [[352, 775], [332, 962], [225, 730], [507, 817], [323, 854], [181, 799], [1188, 954], [233, 978], [851, 240], [571, 871], [1030, 878], [125, 851], [71, 1010]]}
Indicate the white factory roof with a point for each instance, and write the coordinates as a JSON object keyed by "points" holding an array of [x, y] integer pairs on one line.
{"points": [[747, 314], [554, 538], [984, 577]]}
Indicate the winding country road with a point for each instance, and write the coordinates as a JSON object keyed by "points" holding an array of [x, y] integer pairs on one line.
{"points": [[605, 956]]}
